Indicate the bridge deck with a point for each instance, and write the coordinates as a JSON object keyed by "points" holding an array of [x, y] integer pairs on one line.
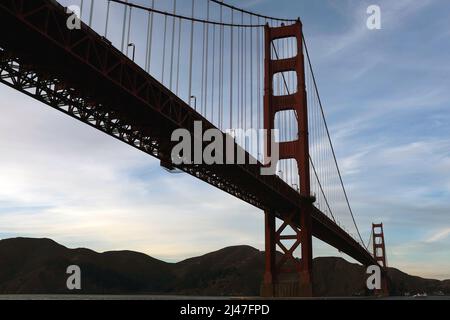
{"points": [[81, 74]]}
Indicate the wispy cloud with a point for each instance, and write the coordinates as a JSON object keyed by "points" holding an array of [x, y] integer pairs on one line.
{"points": [[440, 235]]}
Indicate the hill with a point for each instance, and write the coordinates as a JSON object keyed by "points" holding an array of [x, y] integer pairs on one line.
{"points": [[38, 266]]}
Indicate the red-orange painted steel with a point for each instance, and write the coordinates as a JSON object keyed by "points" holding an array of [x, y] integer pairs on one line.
{"points": [[379, 253], [379, 246], [299, 269]]}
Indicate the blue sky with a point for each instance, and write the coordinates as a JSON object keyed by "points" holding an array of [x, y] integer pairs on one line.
{"points": [[386, 95]]}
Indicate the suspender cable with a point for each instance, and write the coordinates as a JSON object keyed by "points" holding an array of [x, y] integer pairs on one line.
{"points": [[281, 91], [203, 70], [179, 55], [315, 136], [293, 120], [221, 82], [291, 127], [286, 127], [107, 18], [231, 70], [317, 149], [324, 165], [191, 55], [164, 50], [242, 77], [124, 25], [251, 78], [206, 61], [91, 13], [213, 72], [239, 78], [129, 29], [148, 57], [81, 9], [245, 86], [370, 241], [258, 77], [173, 44]]}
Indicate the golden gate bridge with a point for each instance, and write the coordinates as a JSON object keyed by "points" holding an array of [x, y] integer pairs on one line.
{"points": [[138, 70]]}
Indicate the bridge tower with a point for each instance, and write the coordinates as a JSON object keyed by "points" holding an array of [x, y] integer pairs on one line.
{"points": [[379, 253], [289, 273], [379, 247]]}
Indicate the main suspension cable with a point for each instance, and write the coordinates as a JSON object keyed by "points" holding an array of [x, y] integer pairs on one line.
{"points": [[221, 3], [174, 15]]}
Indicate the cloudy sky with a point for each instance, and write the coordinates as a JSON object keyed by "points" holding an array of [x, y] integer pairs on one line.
{"points": [[386, 95]]}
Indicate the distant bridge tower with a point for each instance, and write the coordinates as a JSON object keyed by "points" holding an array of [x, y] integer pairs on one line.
{"points": [[288, 274]]}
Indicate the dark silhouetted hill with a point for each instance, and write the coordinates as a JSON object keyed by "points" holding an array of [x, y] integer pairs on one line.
{"points": [[38, 266]]}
